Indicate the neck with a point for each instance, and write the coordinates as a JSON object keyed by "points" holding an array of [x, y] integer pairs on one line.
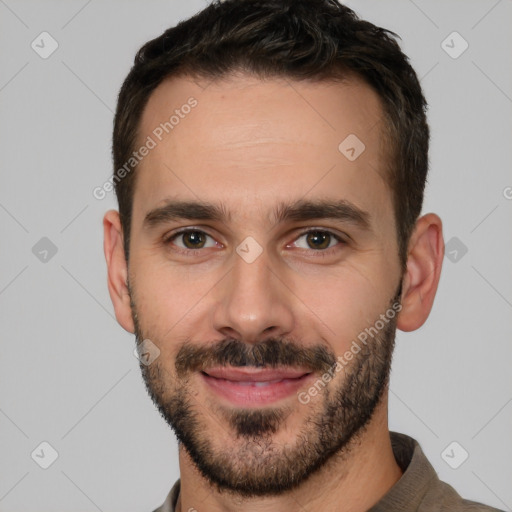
{"points": [[352, 481]]}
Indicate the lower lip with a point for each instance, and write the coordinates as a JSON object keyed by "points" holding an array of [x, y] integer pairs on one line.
{"points": [[248, 394]]}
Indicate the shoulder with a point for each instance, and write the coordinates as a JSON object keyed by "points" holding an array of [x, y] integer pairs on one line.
{"points": [[169, 504], [443, 497], [420, 489]]}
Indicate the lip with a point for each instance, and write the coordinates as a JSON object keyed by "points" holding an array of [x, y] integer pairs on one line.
{"points": [[250, 386]]}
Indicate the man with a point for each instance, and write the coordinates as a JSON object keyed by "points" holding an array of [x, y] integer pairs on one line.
{"points": [[270, 161]]}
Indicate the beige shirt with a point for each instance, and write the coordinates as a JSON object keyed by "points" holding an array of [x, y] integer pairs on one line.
{"points": [[418, 490]]}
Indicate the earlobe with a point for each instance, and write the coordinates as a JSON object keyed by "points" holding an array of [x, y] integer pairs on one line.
{"points": [[424, 263], [117, 270]]}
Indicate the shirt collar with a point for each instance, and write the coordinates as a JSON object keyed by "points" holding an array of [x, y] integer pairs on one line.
{"points": [[406, 495]]}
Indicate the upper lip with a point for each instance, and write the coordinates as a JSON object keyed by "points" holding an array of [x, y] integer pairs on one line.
{"points": [[252, 374]]}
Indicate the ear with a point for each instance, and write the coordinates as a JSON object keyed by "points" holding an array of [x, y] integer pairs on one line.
{"points": [[424, 262], [117, 269]]}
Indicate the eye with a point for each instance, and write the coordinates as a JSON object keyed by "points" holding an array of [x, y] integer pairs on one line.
{"points": [[318, 240], [191, 239]]}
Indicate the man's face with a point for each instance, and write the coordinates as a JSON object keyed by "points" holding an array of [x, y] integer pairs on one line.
{"points": [[260, 250]]}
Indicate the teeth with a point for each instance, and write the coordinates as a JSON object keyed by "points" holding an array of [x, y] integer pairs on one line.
{"points": [[257, 383]]}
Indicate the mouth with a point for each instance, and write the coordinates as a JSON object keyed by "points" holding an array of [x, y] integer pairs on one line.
{"points": [[252, 386]]}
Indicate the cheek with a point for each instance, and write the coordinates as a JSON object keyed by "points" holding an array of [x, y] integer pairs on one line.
{"points": [[169, 299], [343, 304], [166, 288]]}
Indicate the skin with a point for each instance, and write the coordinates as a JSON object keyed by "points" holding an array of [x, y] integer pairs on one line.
{"points": [[252, 145]]}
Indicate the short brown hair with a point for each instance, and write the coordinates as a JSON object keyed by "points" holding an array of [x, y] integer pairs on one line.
{"points": [[296, 39]]}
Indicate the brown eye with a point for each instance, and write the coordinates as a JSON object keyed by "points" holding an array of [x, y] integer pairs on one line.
{"points": [[318, 239], [193, 239]]}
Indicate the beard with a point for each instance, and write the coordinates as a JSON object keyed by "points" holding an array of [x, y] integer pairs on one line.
{"points": [[251, 463]]}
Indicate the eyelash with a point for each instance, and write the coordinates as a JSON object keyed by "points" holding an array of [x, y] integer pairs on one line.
{"points": [[318, 253]]}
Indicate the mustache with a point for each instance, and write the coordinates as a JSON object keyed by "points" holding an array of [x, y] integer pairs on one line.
{"points": [[270, 353]]}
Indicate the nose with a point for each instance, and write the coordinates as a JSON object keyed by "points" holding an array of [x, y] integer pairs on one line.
{"points": [[253, 302]]}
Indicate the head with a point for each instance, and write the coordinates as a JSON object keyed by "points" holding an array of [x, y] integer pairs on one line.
{"points": [[313, 41], [269, 229]]}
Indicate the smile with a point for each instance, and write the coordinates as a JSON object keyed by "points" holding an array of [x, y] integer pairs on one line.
{"points": [[250, 386]]}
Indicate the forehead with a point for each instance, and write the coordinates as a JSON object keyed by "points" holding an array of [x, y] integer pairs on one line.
{"points": [[244, 141]]}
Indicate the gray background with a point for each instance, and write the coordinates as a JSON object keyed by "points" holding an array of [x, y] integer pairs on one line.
{"points": [[68, 375]]}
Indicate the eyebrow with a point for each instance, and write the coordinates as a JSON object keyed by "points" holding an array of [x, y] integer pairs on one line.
{"points": [[340, 210], [190, 210], [301, 210]]}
